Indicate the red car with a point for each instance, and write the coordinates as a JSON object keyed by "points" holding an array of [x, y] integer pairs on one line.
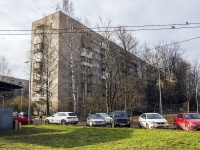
{"points": [[22, 119], [187, 121]]}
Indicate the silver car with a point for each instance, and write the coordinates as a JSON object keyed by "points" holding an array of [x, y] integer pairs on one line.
{"points": [[106, 117], [95, 120]]}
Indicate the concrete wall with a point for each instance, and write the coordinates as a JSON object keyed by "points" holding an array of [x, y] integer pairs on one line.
{"points": [[6, 119]]}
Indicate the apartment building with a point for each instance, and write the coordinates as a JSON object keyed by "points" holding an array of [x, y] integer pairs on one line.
{"points": [[73, 67]]}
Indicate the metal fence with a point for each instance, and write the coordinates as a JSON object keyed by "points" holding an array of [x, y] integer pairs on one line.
{"points": [[6, 118]]}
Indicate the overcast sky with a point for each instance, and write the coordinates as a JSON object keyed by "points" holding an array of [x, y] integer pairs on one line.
{"points": [[19, 15]]}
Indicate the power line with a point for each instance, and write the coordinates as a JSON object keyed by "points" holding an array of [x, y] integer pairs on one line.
{"points": [[139, 26], [187, 40], [10, 8], [89, 29], [113, 27]]}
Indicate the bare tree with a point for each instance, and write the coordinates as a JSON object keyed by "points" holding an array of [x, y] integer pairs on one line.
{"points": [[66, 7], [196, 75], [108, 60], [129, 44], [4, 69], [127, 41], [166, 58]]}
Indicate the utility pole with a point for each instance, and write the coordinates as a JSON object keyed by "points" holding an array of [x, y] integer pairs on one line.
{"points": [[29, 98], [160, 94]]}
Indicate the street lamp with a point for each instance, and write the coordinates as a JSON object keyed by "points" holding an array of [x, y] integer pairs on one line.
{"points": [[29, 97], [160, 99]]}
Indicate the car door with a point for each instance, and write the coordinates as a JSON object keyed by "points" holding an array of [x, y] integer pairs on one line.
{"points": [[143, 120], [179, 120], [58, 118], [53, 118], [22, 119]]}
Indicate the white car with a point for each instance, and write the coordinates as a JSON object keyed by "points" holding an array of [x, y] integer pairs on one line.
{"points": [[152, 120], [62, 118], [106, 117]]}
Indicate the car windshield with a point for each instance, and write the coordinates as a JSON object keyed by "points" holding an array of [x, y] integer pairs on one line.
{"points": [[96, 116], [154, 116], [103, 115], [108, 115], [56, 114], [120, 114], [18, 116], [191, 116]]}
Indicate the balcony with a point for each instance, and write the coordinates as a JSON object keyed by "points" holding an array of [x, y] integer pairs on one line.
{"points": [[38, 39], [86, 64], [87, 55], [37, 80], [41, 26], [37, 48], [103, 45], [96, 65], [38, 90], [97, 50], [37, 70], [38, 57], [37, 51]]}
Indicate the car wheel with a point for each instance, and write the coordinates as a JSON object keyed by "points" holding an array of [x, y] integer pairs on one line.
{"points": [[186, 127], [47, 122], [139, 125], [175, 125], [129, 125], [63, 121]]}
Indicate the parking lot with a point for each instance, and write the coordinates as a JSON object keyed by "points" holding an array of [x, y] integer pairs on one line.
{"points": [[134, 123]]}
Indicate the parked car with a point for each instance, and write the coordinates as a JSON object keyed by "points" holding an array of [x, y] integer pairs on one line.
{"points": [[120, 118], [187, 121], [22, 119], [62, 118], [152, 120], [106, 117], [25, 114], [15, 113], [95, 120]]}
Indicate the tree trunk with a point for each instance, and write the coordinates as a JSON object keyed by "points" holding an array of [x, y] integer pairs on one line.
{"points": [[197, 100], [73, 81]]}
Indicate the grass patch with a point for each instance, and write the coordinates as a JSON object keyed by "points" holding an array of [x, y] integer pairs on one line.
{"points": [[77, 137]]}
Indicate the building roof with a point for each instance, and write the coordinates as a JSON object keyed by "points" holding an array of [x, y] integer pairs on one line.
{"points": [[4, 86]]}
